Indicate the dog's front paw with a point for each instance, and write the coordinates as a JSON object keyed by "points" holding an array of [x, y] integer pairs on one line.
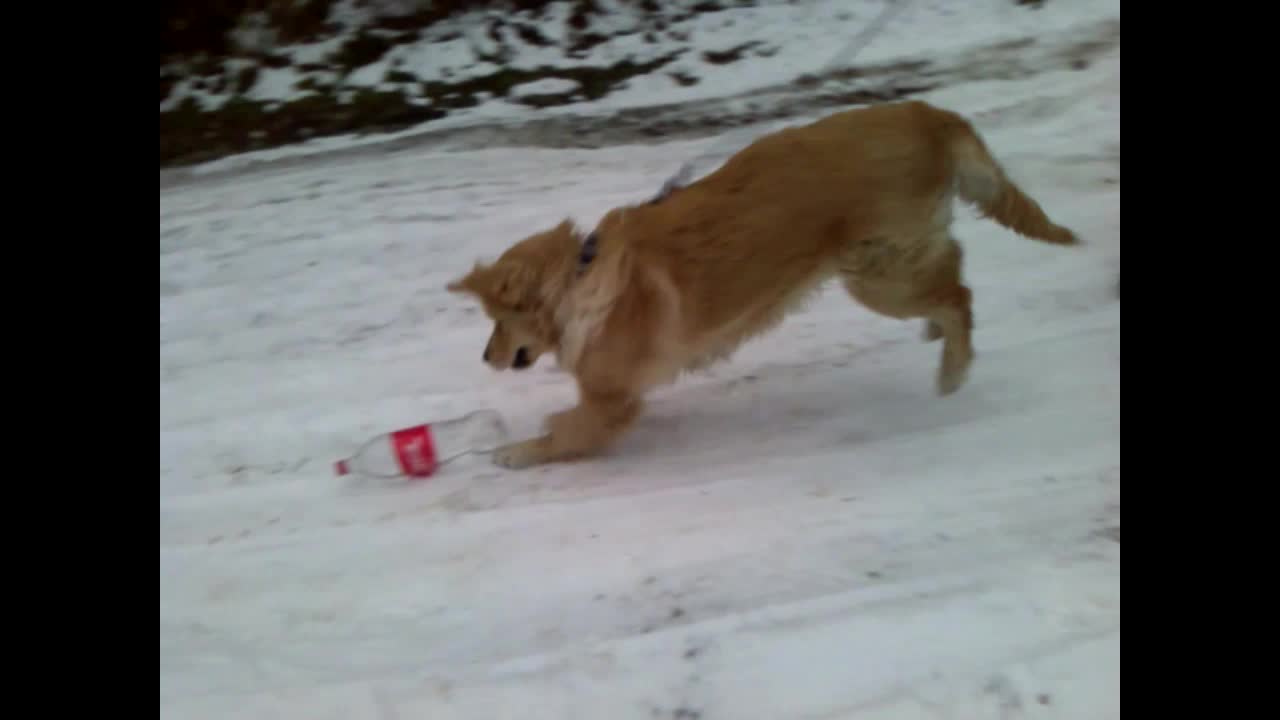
{"points": [[518, 455], [952, 375]]}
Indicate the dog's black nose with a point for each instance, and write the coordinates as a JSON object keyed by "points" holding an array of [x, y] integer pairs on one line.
{"points": [[522, 359], [486, 355]]}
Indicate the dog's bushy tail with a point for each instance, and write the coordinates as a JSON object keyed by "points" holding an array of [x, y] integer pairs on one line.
{"points": [[983, 182]]}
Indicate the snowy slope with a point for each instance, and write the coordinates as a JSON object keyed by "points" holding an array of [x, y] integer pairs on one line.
{"points": [[805, 532], [743, 60], [728, 47]]}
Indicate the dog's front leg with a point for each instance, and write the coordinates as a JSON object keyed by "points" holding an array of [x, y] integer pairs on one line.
{"points": [[584, 430]]}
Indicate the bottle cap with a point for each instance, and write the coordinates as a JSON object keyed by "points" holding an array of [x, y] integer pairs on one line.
{"points": [[340, 467]]}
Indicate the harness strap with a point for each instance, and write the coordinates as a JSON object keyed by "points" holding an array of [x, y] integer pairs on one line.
{"points": [[588, 252]]}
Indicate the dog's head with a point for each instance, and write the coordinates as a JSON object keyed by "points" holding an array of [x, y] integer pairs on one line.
{"points": [[518, 292]]}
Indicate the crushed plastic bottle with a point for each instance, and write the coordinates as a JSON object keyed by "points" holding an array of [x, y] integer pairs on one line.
{"points": [[419, 451]]}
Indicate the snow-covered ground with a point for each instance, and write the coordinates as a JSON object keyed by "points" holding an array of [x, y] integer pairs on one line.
{"points": [[742, 59], [732, 48], [804, 532]]}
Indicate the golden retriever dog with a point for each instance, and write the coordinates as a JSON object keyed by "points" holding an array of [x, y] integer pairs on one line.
{"points": [[863, 196]]}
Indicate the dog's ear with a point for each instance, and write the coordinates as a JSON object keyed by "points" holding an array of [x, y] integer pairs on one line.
{"points": [[507, 283], [469, 283]]}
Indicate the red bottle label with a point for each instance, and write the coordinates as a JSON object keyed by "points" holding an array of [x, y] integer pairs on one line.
{"points": [[416, 450]]}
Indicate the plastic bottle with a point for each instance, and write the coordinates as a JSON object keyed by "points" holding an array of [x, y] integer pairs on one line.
{"points": [[418, 451]]}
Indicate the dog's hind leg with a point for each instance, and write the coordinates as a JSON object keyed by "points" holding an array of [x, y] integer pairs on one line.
{"points": [[583, 430], [931, 288], [953, 313]]}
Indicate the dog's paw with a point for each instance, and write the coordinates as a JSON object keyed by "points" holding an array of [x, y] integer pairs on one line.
{"points": [[518, 455], [948, 384], [952, 379]]}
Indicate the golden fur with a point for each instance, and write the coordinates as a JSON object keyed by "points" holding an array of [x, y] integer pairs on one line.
{"points": [[864, 196]]}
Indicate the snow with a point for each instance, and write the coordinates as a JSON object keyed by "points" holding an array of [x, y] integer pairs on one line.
{"points": [[806, 531], [1033, 51], [370, 75], [276, 84], [546, 86], [786, 39], [439, 60]]}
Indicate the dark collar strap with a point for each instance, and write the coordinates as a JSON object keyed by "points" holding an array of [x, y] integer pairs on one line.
{"points": [[589, 246], [588, 252]]}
